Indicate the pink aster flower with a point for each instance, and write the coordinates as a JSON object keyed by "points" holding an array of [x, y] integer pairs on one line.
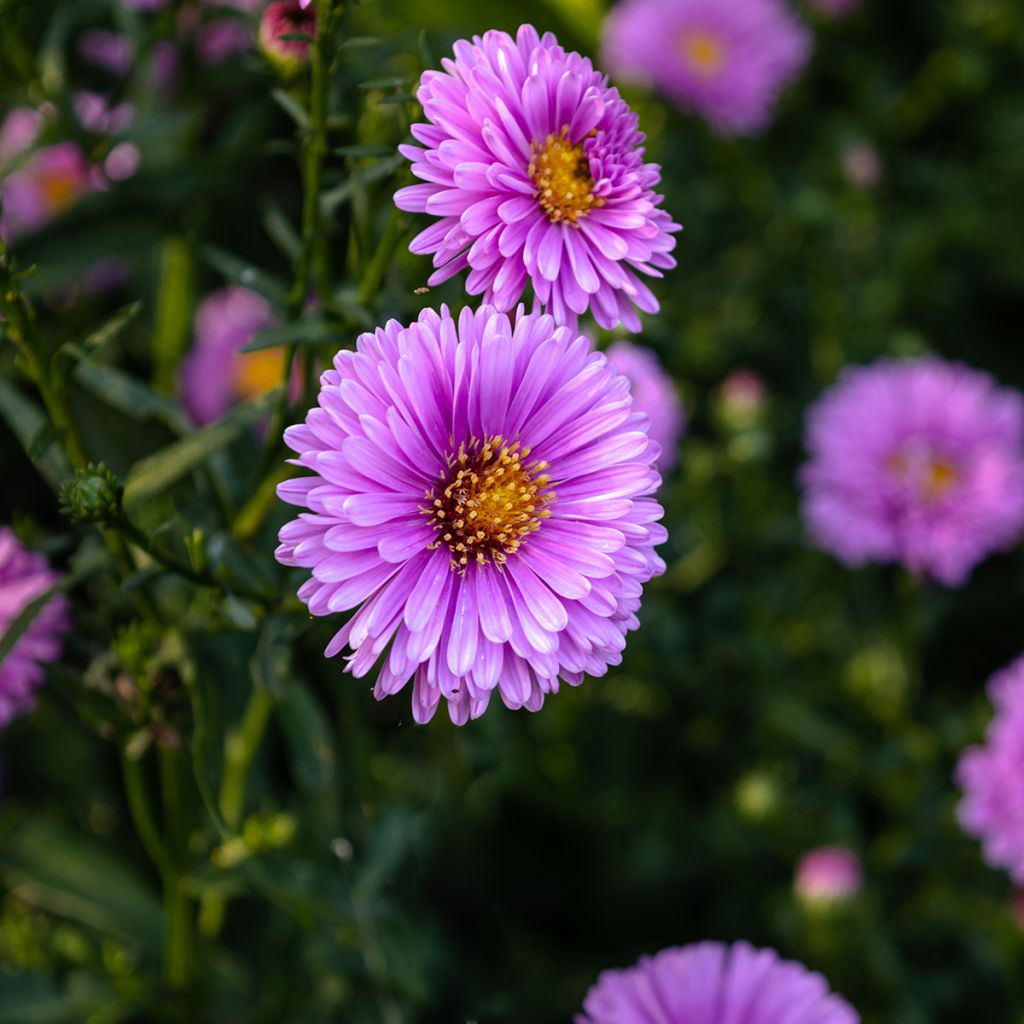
{"points": [[24, 576], [20, 129], [828, 874], [280, 19], [654, 394], [480, 493], [214, 374], [712, 983], [728, 60], [992, 777], [919, 462], [42, 187], [534, 167]]}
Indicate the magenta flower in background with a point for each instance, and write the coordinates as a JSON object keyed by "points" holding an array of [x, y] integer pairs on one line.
{"points": [[533, 167], [728, 60], [43, 186], [96, 113], [713, 983], [20, 129], [481, 494], [992, 777], [283, 18], [111, 51], [828, 874], [654, 394], [919, 462], [214, 374], [24, 576]]}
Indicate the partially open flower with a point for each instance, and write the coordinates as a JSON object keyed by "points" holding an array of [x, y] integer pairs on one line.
{"points": [[828, 875], [282, 20]]}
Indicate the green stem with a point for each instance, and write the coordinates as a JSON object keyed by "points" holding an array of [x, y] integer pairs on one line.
{"points": [[177, 905], [240, 750], [142, 817], [378, 265]]}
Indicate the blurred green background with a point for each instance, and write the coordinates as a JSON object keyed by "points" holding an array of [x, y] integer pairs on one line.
{"points": [[773, 701]]}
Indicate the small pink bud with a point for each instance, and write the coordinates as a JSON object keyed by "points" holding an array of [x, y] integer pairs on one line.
{"points": [[287, 18], [829, 874]]}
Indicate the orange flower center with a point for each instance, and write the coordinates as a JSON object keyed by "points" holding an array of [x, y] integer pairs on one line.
{"points": [[561, 172], [59, 190], [933, 476], [488, 501], [258, 372], [703, 53]]}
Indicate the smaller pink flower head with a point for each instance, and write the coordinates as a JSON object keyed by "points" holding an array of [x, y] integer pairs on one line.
{"points": [[24, 576], [97, 114], [214, 375], [992, 777], [654, 394], [47, 184], [828, 874], [712, 983], [919, 462], [726, 61], [282, 18]]}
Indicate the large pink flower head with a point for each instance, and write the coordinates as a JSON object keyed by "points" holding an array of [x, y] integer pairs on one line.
{"points": [[653, 394], [919, 462], [712, 983], [41, 187], [214, 374], [992, 777], [727, 60], [534, 167], [480, 493], [24, 576]]}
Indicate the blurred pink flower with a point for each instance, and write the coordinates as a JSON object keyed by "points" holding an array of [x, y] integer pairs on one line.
{"points": [[742, 395], [282, 18], [21, 127], [96, 113], [725, 59], [24, 576], [111, 51], [49, 182], [828, 874], [214, 375]]}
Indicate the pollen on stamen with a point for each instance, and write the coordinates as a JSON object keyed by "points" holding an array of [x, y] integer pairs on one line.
{"points": [[561, 172]]}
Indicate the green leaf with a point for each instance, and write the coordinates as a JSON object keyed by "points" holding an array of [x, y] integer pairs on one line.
{"points": [[281, 231], [364, 149], [301, 333], [29, 999], [130, 396], [295, 110], [240, 272], [391, 82], [66, 873], [173, 330], [111, 328], [27, 422], [151, 476], [297, 37], [332, 199]]}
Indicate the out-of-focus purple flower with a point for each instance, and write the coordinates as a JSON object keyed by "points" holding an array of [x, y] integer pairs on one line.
{"points": [[713, 983], [534, 168], [214, 374], [653, 394], [122, 161], [164, 66], [919, 462], [25, 576], [111, 51], [283, 18], [481, 493], [44, 186], [223, 39], [96, 113], [835, 8], [21, 127], [726, 59], [862, 165], [829, 874], [992, 777]]}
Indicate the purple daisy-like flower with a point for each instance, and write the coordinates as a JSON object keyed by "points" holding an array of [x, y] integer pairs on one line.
{"points": [[992, 777], [727, 60], [654, 394], [919, 462], [24, 576], [214, 374], [713, 983], [481, 496], [534, 167]]}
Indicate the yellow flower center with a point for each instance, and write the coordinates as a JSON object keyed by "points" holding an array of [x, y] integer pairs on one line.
{"points": [[703, 52], [59, 190], [488, 501], [561, 172], [258, 372], [934, 476]]}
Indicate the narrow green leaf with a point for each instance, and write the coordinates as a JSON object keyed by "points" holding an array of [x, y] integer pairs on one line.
{"points": [[173, 330], [152, 476], [27, 422], [406, 97], [297, 37], [390, 82], [295, 110], [301, 333], [111, 328], [130, 396], [241, 272], [364, 149], [281, 231], [332, 199]]}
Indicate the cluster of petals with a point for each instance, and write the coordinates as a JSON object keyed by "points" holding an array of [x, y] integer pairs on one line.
{"points": [[394, 421], [25, 576], [919, 462], [727, 60], [992, 777], [713, 983], [501, 115]]}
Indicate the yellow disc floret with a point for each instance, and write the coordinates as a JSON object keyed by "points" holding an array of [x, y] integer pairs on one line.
{"points": [[561, 172], [488, 500], [703, 53]]}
